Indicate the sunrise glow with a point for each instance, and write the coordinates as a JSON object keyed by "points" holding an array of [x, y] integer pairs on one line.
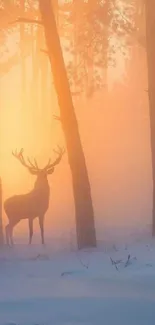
{"points": [[35, 129]]}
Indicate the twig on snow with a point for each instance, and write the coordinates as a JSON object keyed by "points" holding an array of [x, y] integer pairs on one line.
{"points": [[114, 263], [66, 273], [128, 261], [86, 266]]}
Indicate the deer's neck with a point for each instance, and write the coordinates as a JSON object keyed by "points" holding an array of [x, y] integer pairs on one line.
{"points": [[42, 191], [41, 185]]}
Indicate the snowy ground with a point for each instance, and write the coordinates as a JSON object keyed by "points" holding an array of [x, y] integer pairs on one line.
{"points": [[42, 287]]}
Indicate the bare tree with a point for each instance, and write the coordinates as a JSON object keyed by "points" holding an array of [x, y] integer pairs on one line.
{"points": [[33, 204], [1, 221], [150, 48], [84, 212], [22, 54]]}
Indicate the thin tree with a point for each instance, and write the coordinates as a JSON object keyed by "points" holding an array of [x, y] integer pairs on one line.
{"points": [[84, 213], [1, 220], [150, 48], [22, 54]]}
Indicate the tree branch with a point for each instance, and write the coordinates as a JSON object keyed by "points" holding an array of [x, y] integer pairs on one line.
{"points": [[57, 118], [44, 51], [26, 20]]}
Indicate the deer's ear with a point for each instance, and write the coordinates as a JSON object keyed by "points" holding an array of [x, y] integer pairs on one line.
{"points": [[33, 172], [50, 171]]}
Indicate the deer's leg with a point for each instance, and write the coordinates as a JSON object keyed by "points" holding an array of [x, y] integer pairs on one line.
{"points": [[12, 224], [30, 230], [41, 223], [11, 234], [7, 235]]}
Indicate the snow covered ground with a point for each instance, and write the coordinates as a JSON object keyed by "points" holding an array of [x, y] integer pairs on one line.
{"points": [[114, 285]]}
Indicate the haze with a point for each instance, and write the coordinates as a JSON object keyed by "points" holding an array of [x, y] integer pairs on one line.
{"points": [[114, 128]]}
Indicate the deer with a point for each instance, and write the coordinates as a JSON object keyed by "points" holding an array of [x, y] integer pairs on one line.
{"points": [[33, 204]]}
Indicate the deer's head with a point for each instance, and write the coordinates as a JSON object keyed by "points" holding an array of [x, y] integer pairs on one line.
{"points": [[33, 168]]}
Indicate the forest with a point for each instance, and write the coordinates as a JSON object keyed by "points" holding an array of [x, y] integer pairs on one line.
{"points": [[104, 94], [77, 162]]}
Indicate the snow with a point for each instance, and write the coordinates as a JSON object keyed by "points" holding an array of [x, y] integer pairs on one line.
{"points": [[106, 286]]}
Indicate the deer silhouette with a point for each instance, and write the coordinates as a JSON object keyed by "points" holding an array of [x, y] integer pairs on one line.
{"points": [[33, 204]]}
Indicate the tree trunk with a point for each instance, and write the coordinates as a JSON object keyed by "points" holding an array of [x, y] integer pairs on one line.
{"points": [[35, 68], [22, 55], [150, 47], [1, 222], [106, 22], [84, 213], [44, 77], [56, 11]]}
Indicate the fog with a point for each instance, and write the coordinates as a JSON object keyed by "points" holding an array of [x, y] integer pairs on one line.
{"points": [[114, 128]]}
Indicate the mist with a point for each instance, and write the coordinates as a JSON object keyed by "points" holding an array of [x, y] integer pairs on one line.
{"points": [[115, 132]]}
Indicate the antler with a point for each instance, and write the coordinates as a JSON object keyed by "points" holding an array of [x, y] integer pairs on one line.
{"points": [[33, 167], [60, 152], [30, 166]]}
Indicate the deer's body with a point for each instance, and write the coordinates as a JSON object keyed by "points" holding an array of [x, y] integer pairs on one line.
{"points": [[31, 205], [28, 205]]}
